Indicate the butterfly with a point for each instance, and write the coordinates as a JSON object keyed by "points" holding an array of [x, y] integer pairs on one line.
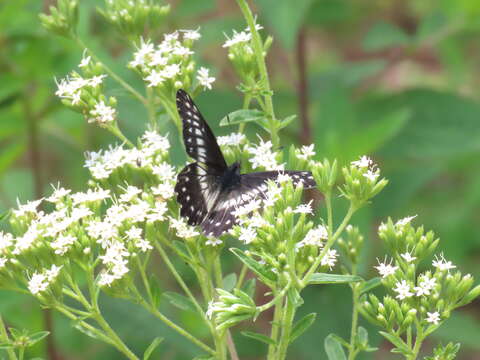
{"points": [[208, 190]]}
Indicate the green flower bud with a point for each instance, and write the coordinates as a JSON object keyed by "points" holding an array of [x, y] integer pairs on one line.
{"points": [[63, 19]]}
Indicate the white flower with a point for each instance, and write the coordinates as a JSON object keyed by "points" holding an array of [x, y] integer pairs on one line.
{"points": [[154, 78], [364, 162], [155, 142], [441, 264], [315, 236], [53, 272], [306, 152], [247, 208], [142, 54], [58, 194], [213, 241], [233, 139], [263, 156], [191, 34], [403, 290], [37, 283], [330, 258], [408, 257], [90, 196], [425, 285], [170, 71], [3, 261], [102, 113], [96, 80], [106, 279], [130, 193], [143, 245], [385, 269], [247, 235], [134, 233], [204, 78], [182, 51], [165, 190], [164, 171], [433, 317], [6, 240], [62, 244], [372, 175], [85, 60], [29, 208], [304, 208], [238, 38], [405, 221], [158, 212], [183, 230]]}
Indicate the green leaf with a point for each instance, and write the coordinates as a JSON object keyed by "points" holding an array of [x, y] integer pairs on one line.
{"points": [[259, 337], [383, 35], [302, 325], [262, 271], [77, 325], [148, 352], [229, 281], [285, 122], [242, 116], [324, 278], [362, 335], [334, 349], [285, 18], [395, 340], [36, 337], [370, 284], [180, 301], [294, 297], [155, 290], [4, 346], [249, 287]]}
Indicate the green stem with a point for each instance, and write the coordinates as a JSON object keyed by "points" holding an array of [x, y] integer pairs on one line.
{"points": [[246, 103], [21, 353], [277, 314], [151, 107], [5, 339], [118, 133], [112, 335], [110, 72], [179, 279], [287, 322], [328, 204], [418, 345], [331, 240], [175, 327], [262, 68], [241, 277], [355, 295]]}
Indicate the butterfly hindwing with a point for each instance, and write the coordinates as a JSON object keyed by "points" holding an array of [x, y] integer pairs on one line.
{"points": [[198, 138], [252, 186]]}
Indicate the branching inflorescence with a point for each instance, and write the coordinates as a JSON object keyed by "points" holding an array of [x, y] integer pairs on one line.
{"points": [[69, 248]]}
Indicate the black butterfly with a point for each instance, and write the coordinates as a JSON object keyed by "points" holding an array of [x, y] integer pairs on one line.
{"points": [[208, 190]]}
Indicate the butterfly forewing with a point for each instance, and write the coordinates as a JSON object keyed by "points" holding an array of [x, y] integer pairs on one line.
{"points": [[199, 140]]}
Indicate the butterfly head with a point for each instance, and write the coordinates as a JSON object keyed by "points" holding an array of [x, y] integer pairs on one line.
{"points": [[231, 177]]}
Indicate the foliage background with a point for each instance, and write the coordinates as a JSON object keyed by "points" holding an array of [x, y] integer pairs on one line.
{"points": [[397, 79]]}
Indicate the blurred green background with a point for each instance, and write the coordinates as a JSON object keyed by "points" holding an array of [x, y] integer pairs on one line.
{"points": [[397, 79]]}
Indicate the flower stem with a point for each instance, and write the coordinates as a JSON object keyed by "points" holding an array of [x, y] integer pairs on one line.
{"points": [[241, 277], [328, 245], [275, 329], [352, 352], [418, 344], [110, 72], [115, 130], [151, 107], [287, 322], [262, 68], [4, 338]]}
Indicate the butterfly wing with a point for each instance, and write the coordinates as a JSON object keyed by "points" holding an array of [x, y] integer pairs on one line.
{"points": [[198, 138], [221, 217]]}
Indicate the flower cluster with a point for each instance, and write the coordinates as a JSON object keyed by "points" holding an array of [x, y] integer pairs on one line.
{"points": [[83, 92], [420, 299], [362, 181], [131, 17], [169, 65], [105, 226], [62, 19]]}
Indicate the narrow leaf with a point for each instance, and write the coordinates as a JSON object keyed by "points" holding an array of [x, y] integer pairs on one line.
{"points": [[302, 325], [395, 340], [250, 286], [259, 337], [324, 278], [36, 337], [334, 349], [242, 116], [180, 301], [148, 352], [370, 284], [262, 271]]}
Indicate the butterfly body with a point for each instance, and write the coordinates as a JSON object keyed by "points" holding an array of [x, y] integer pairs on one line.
{"points": [[208, 190]]}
